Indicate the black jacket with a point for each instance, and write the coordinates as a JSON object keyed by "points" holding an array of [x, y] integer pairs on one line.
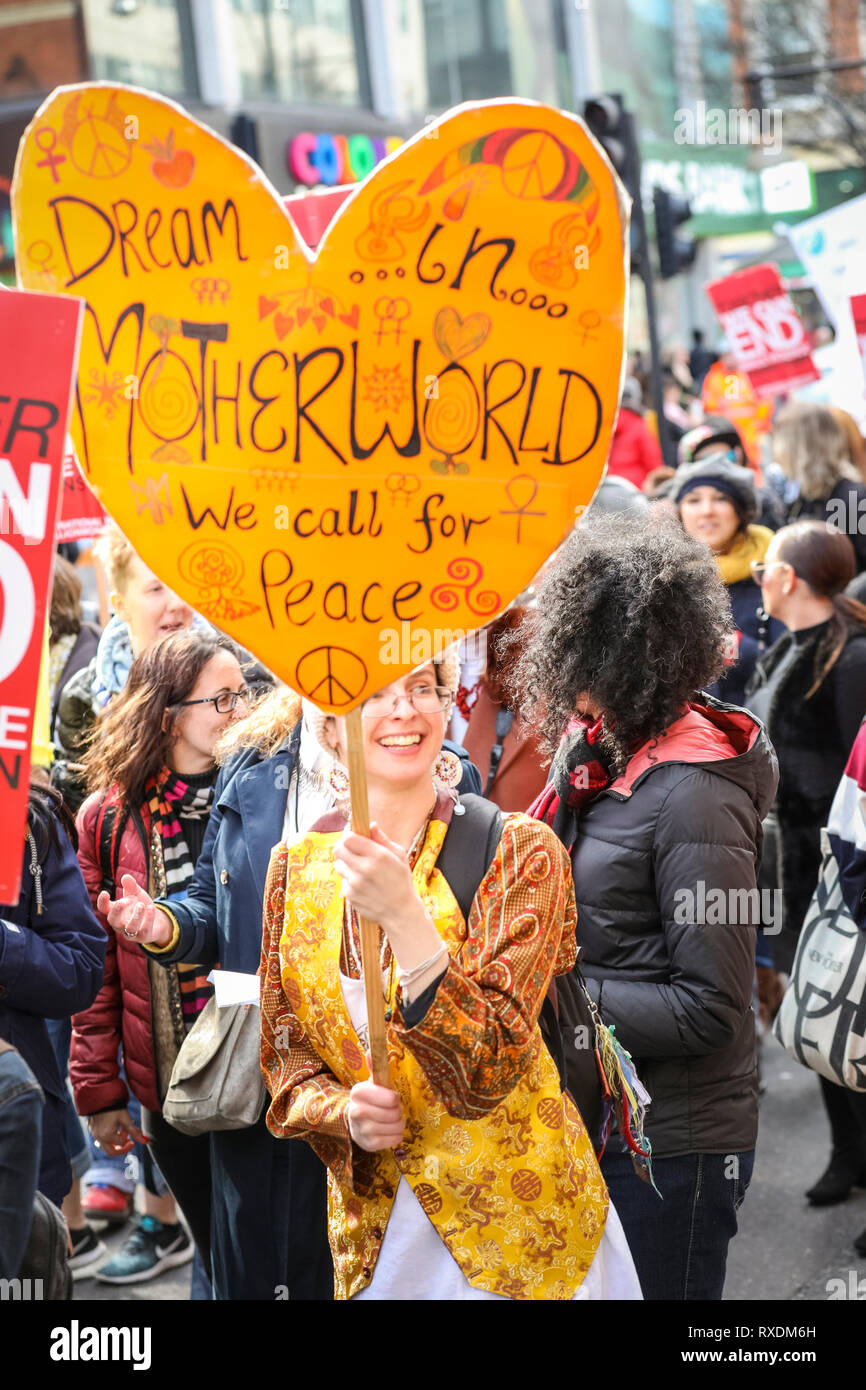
{"points": [[812, 739], [681, 823], [842, 509], [74, 718], [80, 657]]}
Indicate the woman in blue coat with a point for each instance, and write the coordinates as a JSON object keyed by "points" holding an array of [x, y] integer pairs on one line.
{"points": [[269, 1216], [52, 956], [717, 504]]}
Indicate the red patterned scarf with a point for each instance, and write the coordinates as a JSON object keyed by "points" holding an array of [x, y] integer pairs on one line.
{"points": [[580, 771]]}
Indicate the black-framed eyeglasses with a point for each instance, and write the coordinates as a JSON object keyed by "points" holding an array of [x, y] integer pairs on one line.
{"points": [[223, 703], [426, 699]]}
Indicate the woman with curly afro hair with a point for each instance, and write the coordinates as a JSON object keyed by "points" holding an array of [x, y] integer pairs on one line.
{"points": [[658, 791]]}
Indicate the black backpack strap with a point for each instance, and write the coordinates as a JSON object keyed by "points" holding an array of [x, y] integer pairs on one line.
{"points": [[110, 825], [106, 843], [504, 721], [469, 848]]}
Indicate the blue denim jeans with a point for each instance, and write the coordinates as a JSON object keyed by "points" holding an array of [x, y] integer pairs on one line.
{"points": [[680, 1244], [20, 1154], [77, 1140]]}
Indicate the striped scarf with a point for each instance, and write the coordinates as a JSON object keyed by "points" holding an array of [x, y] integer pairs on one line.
{"points": [[169, 797]]}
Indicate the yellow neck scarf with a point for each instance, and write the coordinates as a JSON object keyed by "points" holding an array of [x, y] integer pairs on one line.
{"points": [[751, 544]]}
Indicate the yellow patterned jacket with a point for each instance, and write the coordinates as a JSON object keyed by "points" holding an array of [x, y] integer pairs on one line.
{"points": [[497, 1157]]}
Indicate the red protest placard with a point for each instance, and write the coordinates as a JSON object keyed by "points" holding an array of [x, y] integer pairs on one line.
{"points": [[858, 310], [39, 336], [767, 336], [312, 212], [80, 515]]}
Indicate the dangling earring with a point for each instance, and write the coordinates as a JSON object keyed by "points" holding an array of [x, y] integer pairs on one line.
{"points": [[338, 780], [447, 772]]}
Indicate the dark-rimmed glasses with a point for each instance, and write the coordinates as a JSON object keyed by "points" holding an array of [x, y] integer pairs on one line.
{"points": [[224, 703]]}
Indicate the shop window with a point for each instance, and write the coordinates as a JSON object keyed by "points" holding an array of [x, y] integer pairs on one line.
{"points": [[147, 43], [41, 47], [467, 50], [302, 51]]}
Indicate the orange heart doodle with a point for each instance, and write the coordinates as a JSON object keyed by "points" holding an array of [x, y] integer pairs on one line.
{"points": [[249, 445], [458, 337]]}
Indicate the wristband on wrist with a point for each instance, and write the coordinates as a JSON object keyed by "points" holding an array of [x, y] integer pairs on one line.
{"points": [[408, 977], [175, 936]]}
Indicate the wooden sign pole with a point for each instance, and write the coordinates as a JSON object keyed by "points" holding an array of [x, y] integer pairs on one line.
{"points": [[370, 933]]}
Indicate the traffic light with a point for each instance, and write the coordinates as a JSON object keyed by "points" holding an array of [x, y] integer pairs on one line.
{"points": [[676, 253], [244, 135], [613, 127]]}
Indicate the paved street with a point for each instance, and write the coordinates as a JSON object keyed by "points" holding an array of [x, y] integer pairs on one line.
{"points": [[785, 1249]]}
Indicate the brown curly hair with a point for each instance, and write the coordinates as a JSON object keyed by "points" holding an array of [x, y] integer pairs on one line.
{"points": [[632, 614], [129, 743]]}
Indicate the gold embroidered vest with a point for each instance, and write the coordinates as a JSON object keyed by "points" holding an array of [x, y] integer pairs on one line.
{"points": [[517, 1196]]}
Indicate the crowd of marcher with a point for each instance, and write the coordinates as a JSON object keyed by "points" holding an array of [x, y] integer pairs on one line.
{"points": [[667, 714]]}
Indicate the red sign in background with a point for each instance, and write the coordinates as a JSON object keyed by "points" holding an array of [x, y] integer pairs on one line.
{"points": [[39, 336], [80, 515], [858, 310], [767, 337]]}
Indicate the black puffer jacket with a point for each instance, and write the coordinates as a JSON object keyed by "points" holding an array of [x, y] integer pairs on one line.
{"points": [[683, 820], [813, 738]]}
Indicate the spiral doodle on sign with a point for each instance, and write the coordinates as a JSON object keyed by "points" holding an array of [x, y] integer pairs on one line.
{"points": [[451, 419], [216, 570], [452, 412], [466, 574], [168, 403]]}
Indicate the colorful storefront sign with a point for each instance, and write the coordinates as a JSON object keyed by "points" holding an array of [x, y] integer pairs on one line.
{"points": [[329, 159]]}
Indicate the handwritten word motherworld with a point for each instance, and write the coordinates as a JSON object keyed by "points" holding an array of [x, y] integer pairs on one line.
{"points": [[312, 449]]}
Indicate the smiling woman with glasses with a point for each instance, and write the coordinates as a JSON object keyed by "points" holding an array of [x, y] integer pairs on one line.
{"points": [[477, 915], [151, 773]]}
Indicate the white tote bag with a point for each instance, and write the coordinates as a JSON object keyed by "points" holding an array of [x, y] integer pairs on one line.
{"points": [[822, 1021]]}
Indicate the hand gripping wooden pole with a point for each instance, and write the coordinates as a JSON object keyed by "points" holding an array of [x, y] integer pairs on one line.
{"points": [[370, 933]]}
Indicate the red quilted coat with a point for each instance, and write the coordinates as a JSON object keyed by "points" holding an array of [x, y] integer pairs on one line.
{"points": [[120, 1013]]}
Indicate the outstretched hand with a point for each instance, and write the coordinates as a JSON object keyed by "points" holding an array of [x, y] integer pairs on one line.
{"points": [[135, 914]]}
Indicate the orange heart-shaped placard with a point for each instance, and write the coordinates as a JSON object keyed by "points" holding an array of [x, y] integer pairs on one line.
{"points": [[344, 460]]}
